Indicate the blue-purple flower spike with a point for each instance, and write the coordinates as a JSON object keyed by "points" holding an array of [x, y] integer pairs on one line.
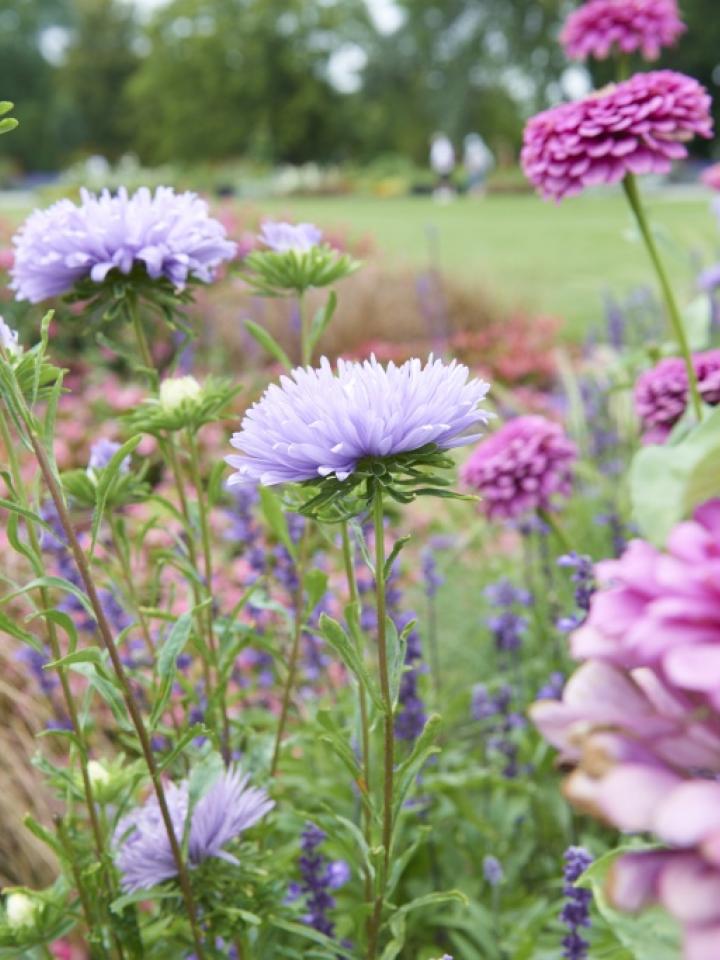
{"points": [[576, 912]]}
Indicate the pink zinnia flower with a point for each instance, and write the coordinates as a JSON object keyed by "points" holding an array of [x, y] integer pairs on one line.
{"points": [[662, 609], [709, 177], [521, 467], [601, 28], [661, 393], [639, 126]]}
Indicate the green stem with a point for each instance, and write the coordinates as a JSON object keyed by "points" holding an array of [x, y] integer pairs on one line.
{"points": [[551, 521], [365, 787], [305, 347], [209, 619], [294, 652], [136, 320], [126, 569], [388, 726], [56, 651], [108, 643], [633, 195]]}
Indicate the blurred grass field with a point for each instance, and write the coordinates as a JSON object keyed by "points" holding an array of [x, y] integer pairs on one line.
{"points": [[556, 259]]}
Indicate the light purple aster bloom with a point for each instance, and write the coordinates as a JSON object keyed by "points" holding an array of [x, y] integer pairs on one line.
{"points": [[316, 424], [283, 237], [102, 452], [229, 807], [9, 339], [170, 234]]}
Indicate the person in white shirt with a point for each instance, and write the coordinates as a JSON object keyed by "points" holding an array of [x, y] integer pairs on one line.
{"points": [[478, 162], [442, 162]]}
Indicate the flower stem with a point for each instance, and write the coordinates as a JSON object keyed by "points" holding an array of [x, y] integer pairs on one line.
{"points": [[108, 643], [388, 726], [633, 195], [134, 314], [305, 347], [207, 560], [294, 652], [365, 787], [550, 520], [56, 652]]}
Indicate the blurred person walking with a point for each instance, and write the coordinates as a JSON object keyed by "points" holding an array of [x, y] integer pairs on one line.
{"points": [[478, 161], [442, 162]]}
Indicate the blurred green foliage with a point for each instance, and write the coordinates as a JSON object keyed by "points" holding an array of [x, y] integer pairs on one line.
{"points": [[285, 81]]}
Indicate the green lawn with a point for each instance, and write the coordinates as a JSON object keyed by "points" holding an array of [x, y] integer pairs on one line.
{"points": [[552, 258]]}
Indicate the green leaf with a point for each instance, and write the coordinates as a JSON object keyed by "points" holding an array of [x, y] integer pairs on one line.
{"points": [[394, 553], [316, 582], [423, 748], [668, 482], [87, 655], [309, 933], [396, 649], [173, 645], [346, 650], [650, 935], [697, 319], [322, 319], [8, 124], [107, 479], [268, 342], [273, 513], [13, 629]]}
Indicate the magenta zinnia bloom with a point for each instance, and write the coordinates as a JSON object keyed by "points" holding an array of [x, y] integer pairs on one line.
{"points": [[229, 807], [601, 28], [282, 237], [521, 467], [662, 609], [170, 235], [661, 393], [317, 424], [639, 126]]}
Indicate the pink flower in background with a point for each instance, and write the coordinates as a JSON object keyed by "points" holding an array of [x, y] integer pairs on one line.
{"points": [[639, 126], [7, 258], [661, 393], [662, 609], [710, 177], [521, 467], [602, 28]]}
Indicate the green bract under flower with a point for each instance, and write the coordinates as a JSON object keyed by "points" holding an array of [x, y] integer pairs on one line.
{"points": [[279, 274], [183, 403]]}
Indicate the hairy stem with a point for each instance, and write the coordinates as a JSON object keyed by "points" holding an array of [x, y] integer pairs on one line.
{"points": [[633, 195], [388, 726], [209, 619], [294, 652], [366, 786]]}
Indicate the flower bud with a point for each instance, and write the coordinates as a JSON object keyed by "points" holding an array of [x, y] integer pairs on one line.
{"points": [[98, 773], [20, 910], [176, 391]]}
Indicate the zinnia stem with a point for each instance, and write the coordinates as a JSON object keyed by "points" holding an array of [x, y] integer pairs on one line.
{"points": [[388, 726], [633, 195]]}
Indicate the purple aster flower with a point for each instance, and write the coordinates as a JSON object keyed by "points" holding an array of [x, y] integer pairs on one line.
{"points": [[102, 452], [316, 424], [601, 28], [283, 237], [521, 467], [639, 126], [9, 339], [576, 912], [171, 235], [319, 876], [142, 848]]}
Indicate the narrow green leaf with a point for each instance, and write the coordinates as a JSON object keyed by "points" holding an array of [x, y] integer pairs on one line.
{"points": [[394, 553], [343, 646], [423, 748], [268, 342], [273, 513], [173, 645], [322, 319], [107, 479]]}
